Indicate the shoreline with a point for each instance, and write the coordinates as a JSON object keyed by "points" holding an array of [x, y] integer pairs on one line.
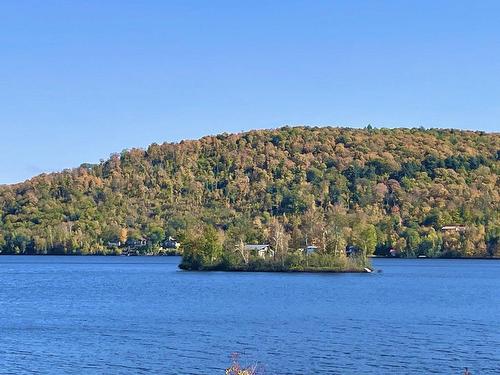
{"points": [[180, 255], [434, 258], [94, 255], [309, 270]]}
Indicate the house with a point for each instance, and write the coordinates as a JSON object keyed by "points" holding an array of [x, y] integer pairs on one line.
{"points": [[262, 251], [171, 243], [135, 243], [453, 228], [114, 244], [133, 246], [311, 249], [352, 250]]}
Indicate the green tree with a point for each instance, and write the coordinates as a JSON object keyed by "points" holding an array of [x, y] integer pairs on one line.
{"points": [[412, 242], [365, 238], [211, 245], [155, 234]]}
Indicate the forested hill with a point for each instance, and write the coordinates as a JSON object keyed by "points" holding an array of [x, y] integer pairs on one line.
{"points": [[381, 189]]}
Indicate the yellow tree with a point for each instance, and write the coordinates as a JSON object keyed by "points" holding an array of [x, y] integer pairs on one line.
{"points": [[123, 235]]}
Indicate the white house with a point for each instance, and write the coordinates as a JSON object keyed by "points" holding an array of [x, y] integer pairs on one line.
{"points": [[262, 251], [453, 228], [311, 249]]}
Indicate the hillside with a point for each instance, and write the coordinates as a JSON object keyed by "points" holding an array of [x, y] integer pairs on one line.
{"points": [[377, 189]]}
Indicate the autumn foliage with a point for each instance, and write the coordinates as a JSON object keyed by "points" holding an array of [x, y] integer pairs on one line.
{"points": [[375, 189]]}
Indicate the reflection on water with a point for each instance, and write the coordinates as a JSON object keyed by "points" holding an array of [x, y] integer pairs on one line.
{"points": [[96, 315]]}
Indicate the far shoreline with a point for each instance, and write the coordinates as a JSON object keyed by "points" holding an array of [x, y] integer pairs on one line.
{"points": [[435, 258], [180, 255]]}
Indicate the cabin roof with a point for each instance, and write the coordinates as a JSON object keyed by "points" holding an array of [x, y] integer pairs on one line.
{"points": [[257, 247], [453, 227]]}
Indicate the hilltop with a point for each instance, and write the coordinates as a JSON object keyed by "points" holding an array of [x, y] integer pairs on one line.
{"points": [[372, 189]]}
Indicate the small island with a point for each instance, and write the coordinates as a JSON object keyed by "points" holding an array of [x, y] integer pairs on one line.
{"points": [[210, 251]]}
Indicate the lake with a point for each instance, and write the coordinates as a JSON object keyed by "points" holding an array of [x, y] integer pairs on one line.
{"points": [[141, 315]]}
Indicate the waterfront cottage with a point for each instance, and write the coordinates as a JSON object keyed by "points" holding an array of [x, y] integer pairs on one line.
{"points": [[311, 249], [453, 228], [351, 250], [171, 243], [262, 251], [136, 243]]}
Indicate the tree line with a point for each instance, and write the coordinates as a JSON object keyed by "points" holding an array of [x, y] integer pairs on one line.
{"points": [[380, 190]]}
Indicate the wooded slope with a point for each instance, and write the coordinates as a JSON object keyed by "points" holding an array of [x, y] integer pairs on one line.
{"points": [[395, 188]]}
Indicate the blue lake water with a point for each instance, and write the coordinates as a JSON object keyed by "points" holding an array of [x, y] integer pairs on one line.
{"points": [[141, 315]]}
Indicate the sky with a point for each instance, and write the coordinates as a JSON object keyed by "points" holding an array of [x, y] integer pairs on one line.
{"points": [[80, 80]]}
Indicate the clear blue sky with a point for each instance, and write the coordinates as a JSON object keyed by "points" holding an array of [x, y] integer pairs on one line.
{"points": [[82, 79]]}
